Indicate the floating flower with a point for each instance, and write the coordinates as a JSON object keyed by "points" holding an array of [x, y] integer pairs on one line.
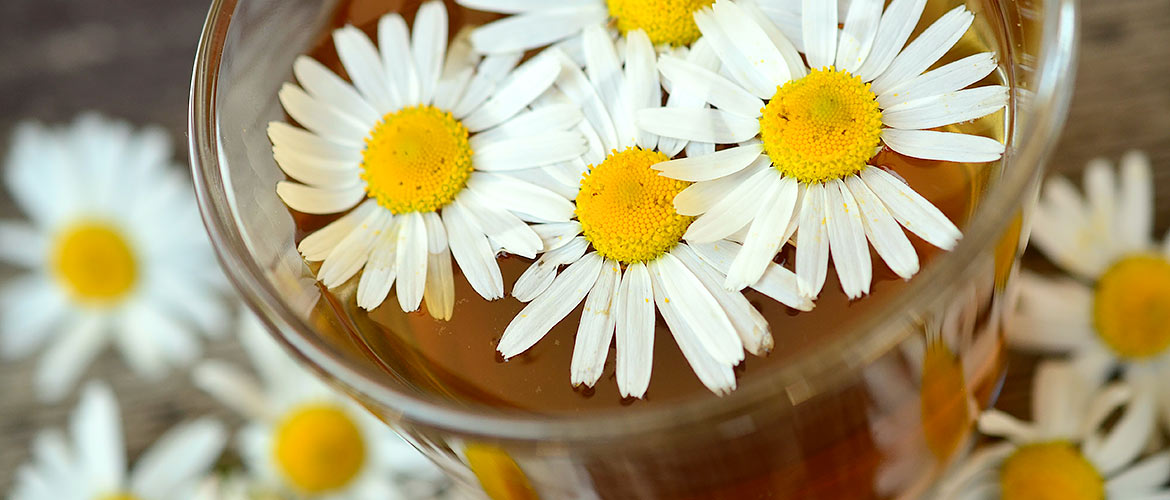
{"points": [[116, 250], [432, 150], [303, 438], [534, 24], [93, 466], [1116, 312], [1066, 453], [806, 137], [638, 264]]}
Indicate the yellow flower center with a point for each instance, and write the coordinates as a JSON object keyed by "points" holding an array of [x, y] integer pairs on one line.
{"points": [[1131, 307], [94, 262], [627, 210], [824, 126], [664, 21], [319, 448], [416, 160], [1050, 471], [946, 419], [119, 496]]}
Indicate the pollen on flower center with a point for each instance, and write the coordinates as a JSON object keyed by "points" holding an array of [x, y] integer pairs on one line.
{"points": [[319, 448], [669, 22], [1131, 307], [821, 127], [946, 418], [95, 262], [1050, 471], [627, 210], [416, 160]]}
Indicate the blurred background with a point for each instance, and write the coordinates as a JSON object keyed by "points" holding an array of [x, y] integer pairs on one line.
{"points": [[132, 59]]}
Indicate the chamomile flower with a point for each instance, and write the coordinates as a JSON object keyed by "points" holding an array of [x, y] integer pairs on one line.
{"points": [[1114, 313], [1066, 453], [304, 439], [536, 23], [93, 465], [431, 146], [638, 264], [115, 248], [815, 132]]}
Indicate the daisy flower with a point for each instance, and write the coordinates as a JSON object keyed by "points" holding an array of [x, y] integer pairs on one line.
{"points": [[638, 264], [93, 466], [115, 249], [305, 439], [431, 146], [1113, 314], [536, 23], [1066, 453], [819, 128]]}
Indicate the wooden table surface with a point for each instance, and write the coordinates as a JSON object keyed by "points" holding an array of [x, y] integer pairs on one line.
{"points": [[132, 59]]}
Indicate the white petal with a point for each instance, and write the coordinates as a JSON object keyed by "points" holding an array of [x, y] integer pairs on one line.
{"points": [[352, 252], [537, 278], [1128, 437], [429, 44], [398, 66], [556, 235], [364, 66], [315, 247], [943, 146], [580, 90], [487, 78], [1135, 210], [1058, 399], [519, 6], [542, 314], [752, 42], [31, 307], [702, 125], [718, 377], [642, 88], [527, 152], [735, 210], [440, 288], [697, 148], [1145, 476], [898, 21], [457, 72], [712, 166], [949, 78], [783, 40], [381, 270], [544, 119], [24, 245], [329, 88], [319, 201], [945, 109], [507, 231], [596, 331], [766, 234], [819, 27], [524, 85], [857, 38], [925, 50], [734, 61], [536, 28], [700, 197], [999, 424], [70, 354], [179, 458], [883, 230], [296, 139], [525, 199], [912, 210], [233, 388], [701, 83], [749, 324], [812, 242], [847, 241], [411, 261], [698, 309], [96, 427], [323, 119], [320, 173], [777, 282], [472, 251], [635, 331], [605, 73]]}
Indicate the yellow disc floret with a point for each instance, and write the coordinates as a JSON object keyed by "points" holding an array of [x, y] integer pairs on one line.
{"points": [[94, 262], [670, 22], [946, 418], [319, 448], [1050, 471], [824, 126], [627, 210], [1131, 307], [416, 160]]}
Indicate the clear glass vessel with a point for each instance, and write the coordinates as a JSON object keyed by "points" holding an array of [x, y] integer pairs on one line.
{"points": [[878, 411]]}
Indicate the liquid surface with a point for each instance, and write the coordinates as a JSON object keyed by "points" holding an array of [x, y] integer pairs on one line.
{"points": [[457, 361]]}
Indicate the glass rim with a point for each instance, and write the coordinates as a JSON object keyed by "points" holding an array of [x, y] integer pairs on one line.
{"points": [[829, 364]]}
